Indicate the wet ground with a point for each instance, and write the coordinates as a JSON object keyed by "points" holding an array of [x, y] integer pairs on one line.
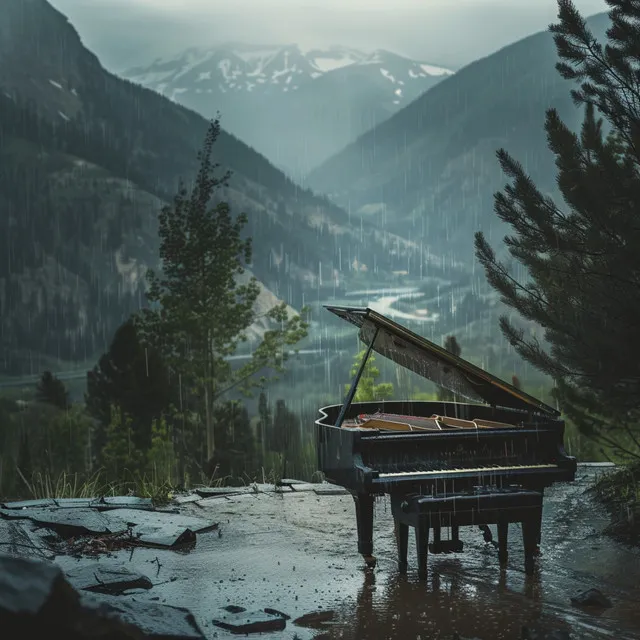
{"points": [[296, 552]]}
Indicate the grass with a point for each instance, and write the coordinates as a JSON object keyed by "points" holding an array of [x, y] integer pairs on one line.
{"points": [[74, 485], [619, 491], [43, 485]]}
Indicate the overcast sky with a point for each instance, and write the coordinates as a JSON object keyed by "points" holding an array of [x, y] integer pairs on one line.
{"points": [[125, 33]]}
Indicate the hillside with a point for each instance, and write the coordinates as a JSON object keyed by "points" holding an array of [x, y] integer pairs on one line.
{"points": [[430, 172], [296, 106], [86, 160]]}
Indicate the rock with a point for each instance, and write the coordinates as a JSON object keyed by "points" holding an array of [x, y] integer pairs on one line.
{"points": [[315, 620], [591, 598], [118, 502], [36, 600], [68, 522], [151, 528], [29, 588], [30, 504], [538, 633], [151, 621], [109, 579], [327, 489], [238, 620]]}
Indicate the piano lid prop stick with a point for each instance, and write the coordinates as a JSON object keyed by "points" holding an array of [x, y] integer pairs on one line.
{"points": [[354, 384]]}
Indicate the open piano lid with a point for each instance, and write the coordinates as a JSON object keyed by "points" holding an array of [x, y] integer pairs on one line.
{"points": [[430, 361]]}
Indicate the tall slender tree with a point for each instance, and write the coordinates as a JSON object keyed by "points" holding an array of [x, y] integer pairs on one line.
{"points": [[202, 304], [582, 258]]}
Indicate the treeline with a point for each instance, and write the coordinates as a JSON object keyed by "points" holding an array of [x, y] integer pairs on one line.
{"points": [[51, 446]]}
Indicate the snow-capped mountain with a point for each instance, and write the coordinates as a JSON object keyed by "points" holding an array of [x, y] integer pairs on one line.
{"points": [[296, 106], [268, 69]]}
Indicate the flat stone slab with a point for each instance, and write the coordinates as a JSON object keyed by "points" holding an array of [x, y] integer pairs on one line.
{"points": [[208, 492], [329, 490], [152, 528], [74, 503], [127, 502], [162, 529], [109, 579], [303, 487], [238, 620], [68, 522], [30, 504], [186, 499]]}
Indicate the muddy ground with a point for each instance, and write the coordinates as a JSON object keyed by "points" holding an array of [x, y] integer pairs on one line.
{"points": [[296, 552]]}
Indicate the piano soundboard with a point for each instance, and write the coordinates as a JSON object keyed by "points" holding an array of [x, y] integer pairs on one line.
{"points": [[392, 422]]}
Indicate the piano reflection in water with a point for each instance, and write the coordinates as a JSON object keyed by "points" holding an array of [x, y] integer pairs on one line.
{"points": [[443, 464]]}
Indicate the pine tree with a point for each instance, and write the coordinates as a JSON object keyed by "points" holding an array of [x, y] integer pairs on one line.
{"points": [[51, 390], [200, 307], [582, 256], [133, 377], [368, 390], [452, 346], [120, 457], [286, 435], [161, 457], [235, 453]]}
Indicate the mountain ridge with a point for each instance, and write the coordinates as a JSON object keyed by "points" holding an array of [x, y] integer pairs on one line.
{"points": [[87, 159], [295, 106], [430, 172]]}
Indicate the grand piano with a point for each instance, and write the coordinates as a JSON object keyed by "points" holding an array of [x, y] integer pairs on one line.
{"points": [[443, 464]]}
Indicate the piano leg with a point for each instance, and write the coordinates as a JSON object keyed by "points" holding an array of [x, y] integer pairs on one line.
{"points": [[422, 547], [402, 538], [531, 530], [503, 534], [364, 519]]}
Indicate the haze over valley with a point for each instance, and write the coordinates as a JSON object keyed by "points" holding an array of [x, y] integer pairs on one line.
{"points": [[360, 170]]}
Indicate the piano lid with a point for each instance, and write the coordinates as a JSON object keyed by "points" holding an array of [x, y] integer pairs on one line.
{"points": [[430, 361]]}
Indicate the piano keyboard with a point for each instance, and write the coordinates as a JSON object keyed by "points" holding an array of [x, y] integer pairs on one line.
{"points": [[474, 471]]}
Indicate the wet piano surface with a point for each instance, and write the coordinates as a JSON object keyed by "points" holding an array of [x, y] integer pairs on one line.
{"points": [[496, 453]]}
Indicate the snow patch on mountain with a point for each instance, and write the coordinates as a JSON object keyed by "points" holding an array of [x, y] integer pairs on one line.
{"points": [[236, 68]]}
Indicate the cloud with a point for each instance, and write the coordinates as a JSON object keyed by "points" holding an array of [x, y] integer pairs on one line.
{"points": [[128, 32]]}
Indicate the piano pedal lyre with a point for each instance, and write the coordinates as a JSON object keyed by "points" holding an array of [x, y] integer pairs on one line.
{"points": [[453, 545]]}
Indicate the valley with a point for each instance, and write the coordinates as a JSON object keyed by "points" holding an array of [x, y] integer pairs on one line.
{"points": [[308, 249]]}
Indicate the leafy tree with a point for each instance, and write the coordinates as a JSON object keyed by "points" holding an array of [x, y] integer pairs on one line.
{"points": [[202, 304], [51, 390], [582, 256], [452, 346], [132, 377], [368, 390]]}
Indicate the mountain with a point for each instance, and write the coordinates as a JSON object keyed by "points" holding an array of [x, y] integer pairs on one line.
{"points": [[429, 172], [296, 107], [86, 161]]}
